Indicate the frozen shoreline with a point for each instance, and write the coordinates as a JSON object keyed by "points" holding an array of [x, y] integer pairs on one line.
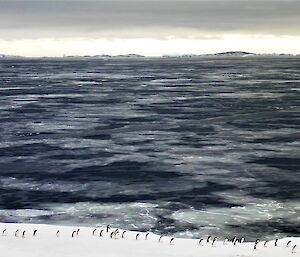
{"points": [[46, 243]]}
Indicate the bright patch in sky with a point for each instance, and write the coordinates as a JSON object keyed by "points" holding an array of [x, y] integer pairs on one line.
{"points": [[148, 47]]}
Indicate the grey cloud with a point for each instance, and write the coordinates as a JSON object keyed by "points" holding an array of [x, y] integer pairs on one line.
{"points": [[135, 18]]}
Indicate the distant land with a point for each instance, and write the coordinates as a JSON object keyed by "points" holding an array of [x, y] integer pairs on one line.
{"points": [[134, 56]]}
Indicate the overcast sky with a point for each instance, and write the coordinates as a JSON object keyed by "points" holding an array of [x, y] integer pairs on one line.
{"points": [[91, 25]]}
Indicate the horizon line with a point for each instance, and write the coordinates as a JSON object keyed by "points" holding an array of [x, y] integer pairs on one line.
{"points": [[137, 55]]}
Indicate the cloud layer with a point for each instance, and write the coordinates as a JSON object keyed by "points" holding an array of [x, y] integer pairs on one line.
{"points": [[144, 18]]}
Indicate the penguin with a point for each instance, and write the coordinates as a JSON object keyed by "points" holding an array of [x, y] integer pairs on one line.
{"points": [[116, 232], [94, 231], [77, 232], [293, 249], [137, 235], [214, 240], [73, 233], [160, 238], [242, 240], [265, 243], [16, 233], [225, 241], [200, 241], [256, 243], [233, 239], [146, 236], [101, 232], [34, 232], [172, 239], [123, 233], [107, 228], [23, 234], [288, 243], [276, 242], [3, 232], [57, 233], [111, 235], [209, 237]]}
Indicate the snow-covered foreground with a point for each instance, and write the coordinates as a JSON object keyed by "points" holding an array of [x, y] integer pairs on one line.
{"points": [[63, 241]]}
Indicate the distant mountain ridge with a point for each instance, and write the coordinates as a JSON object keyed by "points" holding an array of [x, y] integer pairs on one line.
{"points": [[233, 53]]}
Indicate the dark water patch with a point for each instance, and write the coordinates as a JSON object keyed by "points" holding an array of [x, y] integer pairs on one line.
{"points": [[271, 227], [277, 139], [284, 163], [131, 171], [79, 156], [27, 150], [21, 199], [109, 126], [167, 226], [279, 190], [98, 136]]}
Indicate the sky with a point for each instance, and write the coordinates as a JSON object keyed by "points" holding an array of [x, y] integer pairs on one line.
{"points": [[148, 27]]}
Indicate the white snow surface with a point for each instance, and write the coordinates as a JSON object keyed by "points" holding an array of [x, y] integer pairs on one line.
{"points": [[47, 244]]}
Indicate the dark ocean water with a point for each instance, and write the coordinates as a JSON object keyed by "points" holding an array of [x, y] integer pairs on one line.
{"points": [[178, 146]]}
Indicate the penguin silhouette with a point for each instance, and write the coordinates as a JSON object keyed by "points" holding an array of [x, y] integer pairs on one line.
{"points": [[200, 241], [146, 236], [172, 240]]}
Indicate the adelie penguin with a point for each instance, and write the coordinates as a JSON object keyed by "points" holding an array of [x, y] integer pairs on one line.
{"points": [[137, 235], [172, 240], [16, 233], [209, 237], [294, 249], [23, 234], [214, 240], [3, 232], [233, 239], [159, 240], [34, 232], [242, 240], [123, 233], [288, 243], [94, 231], [146, 236], [256, 243], [225, 241], [200, 241], [77, 232], [276, 242], [265, 243], [111, 235], [73, 233], [101, 232], [116, 232], [107, 228], [57, 233]]}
